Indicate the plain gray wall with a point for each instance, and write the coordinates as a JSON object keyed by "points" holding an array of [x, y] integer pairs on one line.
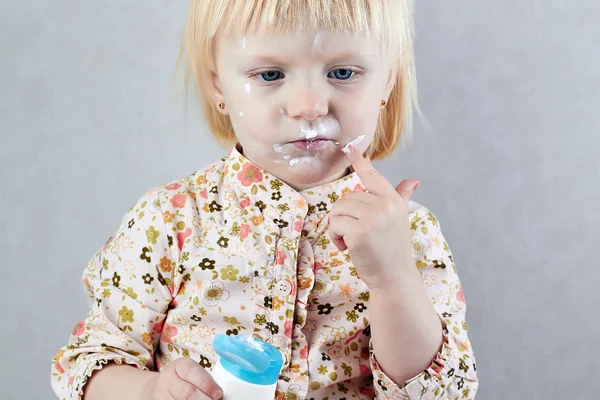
{"points": [[90, 119]]}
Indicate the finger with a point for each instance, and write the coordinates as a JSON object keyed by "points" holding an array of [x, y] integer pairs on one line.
{"points": [[349, 207], [373, 181], [340, 227], [406, 188], [182, 390], [363, 197], [191, 372]]}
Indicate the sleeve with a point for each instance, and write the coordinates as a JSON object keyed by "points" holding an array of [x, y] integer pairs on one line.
{"points": [[128, 283], [452, 373]]}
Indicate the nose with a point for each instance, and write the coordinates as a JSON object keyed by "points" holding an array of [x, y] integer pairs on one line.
{"points": [[308, 102]]}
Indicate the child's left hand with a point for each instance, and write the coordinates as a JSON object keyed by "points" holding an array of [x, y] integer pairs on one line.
{"points": [[374, 225]]}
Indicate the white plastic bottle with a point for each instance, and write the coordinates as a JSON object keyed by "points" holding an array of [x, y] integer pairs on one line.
{"points": [[248, 368]]}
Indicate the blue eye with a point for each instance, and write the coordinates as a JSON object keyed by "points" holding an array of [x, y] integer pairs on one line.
{"points": [[270, 76], [341, 74]]}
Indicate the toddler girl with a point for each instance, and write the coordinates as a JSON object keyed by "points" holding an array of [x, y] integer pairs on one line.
{"points": [[293, 237]]}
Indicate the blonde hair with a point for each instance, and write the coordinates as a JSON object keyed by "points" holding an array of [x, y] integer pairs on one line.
{"points": [[390, 20]]}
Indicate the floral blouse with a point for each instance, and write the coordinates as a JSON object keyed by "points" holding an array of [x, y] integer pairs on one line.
{"points": [[232, 249]]}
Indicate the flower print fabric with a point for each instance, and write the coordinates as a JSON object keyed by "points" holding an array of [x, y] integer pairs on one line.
{"points": [[231, 249]]}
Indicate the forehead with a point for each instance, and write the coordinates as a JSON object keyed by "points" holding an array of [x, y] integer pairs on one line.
{"points": [[302, 44]]}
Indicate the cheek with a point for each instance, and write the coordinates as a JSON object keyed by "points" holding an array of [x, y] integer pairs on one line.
{"points": [[361, 107], [360, 118], [252, 130], [250, 116], [240, 96], [370, 101]]}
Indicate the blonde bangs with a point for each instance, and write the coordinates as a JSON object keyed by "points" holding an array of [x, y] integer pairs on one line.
{"points": [[391, 21]]}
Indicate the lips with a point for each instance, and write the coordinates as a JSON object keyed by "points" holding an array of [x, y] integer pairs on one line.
{"points": [[312, 144]]}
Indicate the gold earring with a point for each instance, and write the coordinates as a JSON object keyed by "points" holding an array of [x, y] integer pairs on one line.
{"points": [[222, 106], [383, 103]]}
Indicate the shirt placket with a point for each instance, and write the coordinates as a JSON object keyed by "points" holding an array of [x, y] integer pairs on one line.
{"points": [[305, 283], [283, 291]]}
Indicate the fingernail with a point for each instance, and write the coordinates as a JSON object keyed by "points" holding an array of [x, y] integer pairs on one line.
{"points": [[217, 394], [417, 185], [348, 149]]}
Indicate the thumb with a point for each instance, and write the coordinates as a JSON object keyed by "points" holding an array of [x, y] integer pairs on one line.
{"points": [[406, 188], [191, 372]]}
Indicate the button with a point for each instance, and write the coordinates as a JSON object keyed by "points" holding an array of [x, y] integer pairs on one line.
{"points": [[283, 288]]}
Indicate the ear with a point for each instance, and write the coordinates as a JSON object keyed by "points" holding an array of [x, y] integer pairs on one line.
{"points": [[393, 76], [216, 92]]}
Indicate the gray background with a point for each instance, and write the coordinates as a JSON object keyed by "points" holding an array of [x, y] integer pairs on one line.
{"points": [[90, 118]]}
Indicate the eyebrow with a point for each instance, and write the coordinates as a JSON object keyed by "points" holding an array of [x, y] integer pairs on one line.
{"points": [[273, 59], [266, 59]]}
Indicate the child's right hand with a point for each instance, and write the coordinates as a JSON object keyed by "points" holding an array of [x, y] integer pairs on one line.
{"points": [[183, 379]]}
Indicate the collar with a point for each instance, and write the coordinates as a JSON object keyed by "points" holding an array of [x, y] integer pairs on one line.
{"points": [[255, 183]]}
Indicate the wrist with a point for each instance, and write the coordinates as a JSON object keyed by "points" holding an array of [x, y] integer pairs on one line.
{"points": [[146, 386], [120, 381], [400, 275]]}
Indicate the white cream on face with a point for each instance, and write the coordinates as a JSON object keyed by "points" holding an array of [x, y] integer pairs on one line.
{"points": [[317, 42], [248, 88], [329, 128], [308, 133], [289, 153], [326, 129], [300, 160]]}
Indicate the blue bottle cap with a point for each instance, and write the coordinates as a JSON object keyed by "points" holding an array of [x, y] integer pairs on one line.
{"points": [[249, 359]]}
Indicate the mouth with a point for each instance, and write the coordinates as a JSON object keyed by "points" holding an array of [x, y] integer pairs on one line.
{"points": [[312, 144]]}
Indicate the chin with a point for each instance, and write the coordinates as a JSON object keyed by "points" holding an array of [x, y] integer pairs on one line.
{"points": [[309, 173]]}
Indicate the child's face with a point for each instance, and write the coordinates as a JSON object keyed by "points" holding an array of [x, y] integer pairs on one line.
{"points": [[296, 99]]}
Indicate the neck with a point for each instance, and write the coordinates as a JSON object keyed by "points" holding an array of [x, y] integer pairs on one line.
{"points": [[334, 177]]}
